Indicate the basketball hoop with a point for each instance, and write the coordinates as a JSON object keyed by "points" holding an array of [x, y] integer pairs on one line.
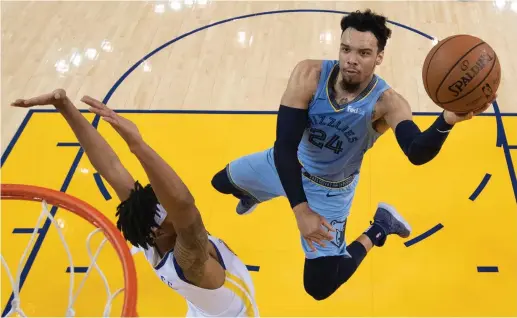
{"points": [[98, 220]]}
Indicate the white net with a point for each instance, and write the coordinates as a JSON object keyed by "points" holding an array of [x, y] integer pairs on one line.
{"points": [[72, 297]]}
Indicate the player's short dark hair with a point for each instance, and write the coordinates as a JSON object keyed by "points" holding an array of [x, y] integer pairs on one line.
{"points": [[136, 216], [368, 21]]}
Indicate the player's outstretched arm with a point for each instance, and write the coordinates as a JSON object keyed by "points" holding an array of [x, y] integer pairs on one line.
{"points": [[291, 123], [101, 155], [192, 246], [420, 147]]}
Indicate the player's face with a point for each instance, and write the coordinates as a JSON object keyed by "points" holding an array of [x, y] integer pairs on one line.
{"points": [[164, 233], [358, 56]]}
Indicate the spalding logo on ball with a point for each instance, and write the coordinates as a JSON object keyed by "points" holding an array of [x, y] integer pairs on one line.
{"points": [[461, 73]]}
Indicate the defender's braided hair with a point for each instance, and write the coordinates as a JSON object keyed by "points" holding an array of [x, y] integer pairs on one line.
{"points": [[136, 216]]}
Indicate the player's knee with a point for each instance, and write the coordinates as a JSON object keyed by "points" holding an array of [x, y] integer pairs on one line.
{"points": [[318, 291], [322, 278], [319, 285], [222, 183]]}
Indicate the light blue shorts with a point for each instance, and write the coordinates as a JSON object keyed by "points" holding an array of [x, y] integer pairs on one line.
{"points": [[256, 175]]}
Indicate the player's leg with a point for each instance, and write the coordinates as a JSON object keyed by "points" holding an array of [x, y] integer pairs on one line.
{"points": [[223, 183], [322, 276], [252, 179], [325, 274]]}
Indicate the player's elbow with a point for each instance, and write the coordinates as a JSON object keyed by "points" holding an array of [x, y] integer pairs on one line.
{"points": [[186, 200], [421, 157]]}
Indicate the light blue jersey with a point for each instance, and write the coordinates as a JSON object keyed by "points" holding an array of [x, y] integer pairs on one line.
{"points": [[331, 153], [338, 136]]}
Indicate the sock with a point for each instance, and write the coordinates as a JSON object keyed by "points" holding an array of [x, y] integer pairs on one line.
{"points": [[376, 234]]}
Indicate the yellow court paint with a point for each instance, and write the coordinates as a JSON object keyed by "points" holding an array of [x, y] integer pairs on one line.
{"points": [[437, 276], [510, 128]]}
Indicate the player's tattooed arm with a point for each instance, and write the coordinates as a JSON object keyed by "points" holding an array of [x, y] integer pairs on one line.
{"points": [[192, 245], [395, 108], [191, 249]]}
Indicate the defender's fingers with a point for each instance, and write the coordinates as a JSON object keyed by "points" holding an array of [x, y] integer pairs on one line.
{"points": [[19, 103], [39, 100], [100, 112], [110, 120], [93, 102]]}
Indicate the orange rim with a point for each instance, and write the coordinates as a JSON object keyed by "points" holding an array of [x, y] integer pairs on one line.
{"points": [[97, 219]]}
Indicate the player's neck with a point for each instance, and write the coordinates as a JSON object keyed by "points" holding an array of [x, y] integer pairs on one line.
{"points": [[350, 90], [165, 244]]}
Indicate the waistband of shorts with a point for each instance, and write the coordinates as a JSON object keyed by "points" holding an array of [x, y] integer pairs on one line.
{"points": [[327, 183]]}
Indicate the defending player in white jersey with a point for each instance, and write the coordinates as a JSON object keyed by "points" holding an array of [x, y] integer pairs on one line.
{"points": [[161, 218]]}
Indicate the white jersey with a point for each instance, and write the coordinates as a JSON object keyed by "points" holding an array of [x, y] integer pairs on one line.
{"points": [[236, 298]]}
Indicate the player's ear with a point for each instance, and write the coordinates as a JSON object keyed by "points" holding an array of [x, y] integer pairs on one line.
{"points": [[379, 58]]}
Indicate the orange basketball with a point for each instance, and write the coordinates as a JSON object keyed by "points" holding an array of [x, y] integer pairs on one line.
{"points": [[461, 73]]}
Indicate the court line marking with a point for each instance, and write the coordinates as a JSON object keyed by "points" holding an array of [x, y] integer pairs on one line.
{"points": [[101, 186], [506, 148], [499, 137], [253, 268], [24, 230], [77, 269], [424, 235], [95, 123], [13, 142], [480, 187], [68, 144], [488, 269]]}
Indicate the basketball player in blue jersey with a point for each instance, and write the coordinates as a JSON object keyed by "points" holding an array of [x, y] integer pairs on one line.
{"points": [[331, 113], [161, 218]]}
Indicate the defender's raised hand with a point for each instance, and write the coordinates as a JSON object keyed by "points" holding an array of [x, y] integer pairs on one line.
{"points": [[125, 128], [57, 98]]}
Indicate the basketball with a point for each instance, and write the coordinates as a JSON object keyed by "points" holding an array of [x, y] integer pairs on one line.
{"points": [[461, 73]]}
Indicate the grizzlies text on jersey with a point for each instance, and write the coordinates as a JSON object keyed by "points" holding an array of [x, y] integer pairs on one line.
{"points": [[338, 136]]}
